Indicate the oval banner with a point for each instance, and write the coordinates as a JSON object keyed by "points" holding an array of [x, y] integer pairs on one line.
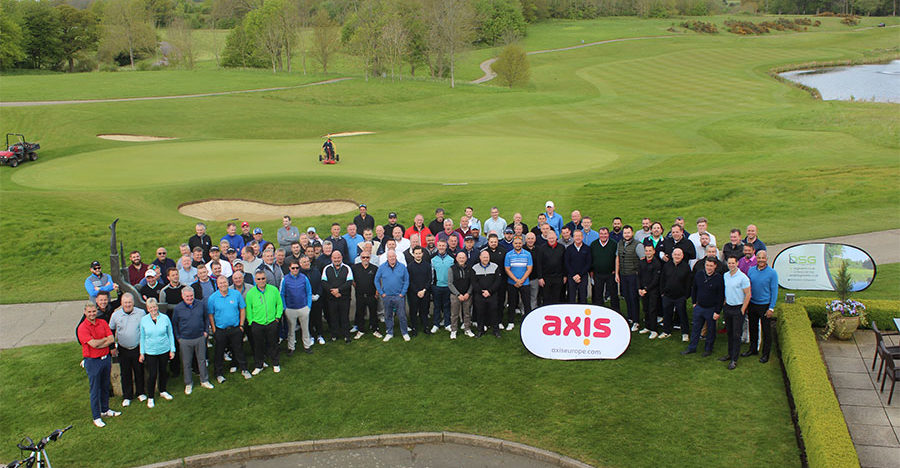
{"points": [[815, 266], [575, 331]]}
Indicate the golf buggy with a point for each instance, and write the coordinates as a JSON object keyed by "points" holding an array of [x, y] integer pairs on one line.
{"points": [[328, 155], [18, 150]]}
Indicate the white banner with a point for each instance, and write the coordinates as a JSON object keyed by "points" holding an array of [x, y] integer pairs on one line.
{"points": [[815, 267], [575, 331]]}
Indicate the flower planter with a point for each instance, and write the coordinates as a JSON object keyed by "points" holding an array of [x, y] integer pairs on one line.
{"points": [[845, 326]]}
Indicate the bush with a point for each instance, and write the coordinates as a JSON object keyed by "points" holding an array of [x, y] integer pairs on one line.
{"points": [[109, 67], [85, 63], [746, 28], [700, 27], [512, 66], [880, 310], [819, 415], [850, 20]]}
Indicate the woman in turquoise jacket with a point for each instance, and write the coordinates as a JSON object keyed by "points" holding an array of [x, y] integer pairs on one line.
{"points": [[157, 348]]}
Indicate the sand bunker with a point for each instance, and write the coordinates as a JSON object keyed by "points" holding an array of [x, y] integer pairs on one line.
{"points": [[346, 134], [133, 138], [249, 210]]}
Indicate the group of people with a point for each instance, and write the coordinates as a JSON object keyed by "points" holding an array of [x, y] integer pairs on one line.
{"points": [[474, 277]]}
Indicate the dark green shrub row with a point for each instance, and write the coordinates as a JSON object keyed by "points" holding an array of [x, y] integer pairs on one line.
{"points": [[819, 416], [879, 310]]}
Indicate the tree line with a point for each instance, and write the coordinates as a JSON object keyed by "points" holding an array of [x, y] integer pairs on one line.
{"points": [[388, 37]]}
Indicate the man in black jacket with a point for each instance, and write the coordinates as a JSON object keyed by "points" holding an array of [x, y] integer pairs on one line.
{"points": [[420, 279], [460, 285], [550, 266], [648, 288], [485, 283], [497, 256], [678, 241], [366, 296], [578, 266], [200, 239], [675, 286], [707, 295], [337, 279]]}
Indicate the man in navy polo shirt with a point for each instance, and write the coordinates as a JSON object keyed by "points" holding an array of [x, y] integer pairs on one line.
{"points": [[227, 313], [577, 261]]}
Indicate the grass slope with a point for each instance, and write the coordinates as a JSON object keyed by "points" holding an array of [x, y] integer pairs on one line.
{"points": [[685, 126], [650, 407]]}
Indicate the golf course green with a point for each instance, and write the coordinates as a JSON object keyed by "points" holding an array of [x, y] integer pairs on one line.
{"points": [[680, 125]]}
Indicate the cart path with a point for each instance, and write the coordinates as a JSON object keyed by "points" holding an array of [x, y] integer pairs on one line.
{"points": [[54, 322], [490, 75], [156, 98]]}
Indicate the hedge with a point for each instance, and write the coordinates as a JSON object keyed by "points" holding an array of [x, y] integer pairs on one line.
{"points": [[879, 310], [825, 435]]}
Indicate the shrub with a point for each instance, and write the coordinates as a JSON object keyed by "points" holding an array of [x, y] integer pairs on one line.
{"points": [[700, 27], [881, 311], [745, 28], [850, 20], [819, 416], [512, 66]]}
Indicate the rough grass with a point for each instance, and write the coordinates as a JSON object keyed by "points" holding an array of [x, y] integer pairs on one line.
{"points": [[597, 411]]}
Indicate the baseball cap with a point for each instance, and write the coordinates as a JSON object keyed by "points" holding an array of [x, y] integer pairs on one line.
{"points": [[310, 229], [214, 248], [150, 273], [231, 250], [549, 204], [245, 224], [95, 264], [392, 215], [363, 205], [508, 231], [257, 231], [474, 228], [470, 238]]}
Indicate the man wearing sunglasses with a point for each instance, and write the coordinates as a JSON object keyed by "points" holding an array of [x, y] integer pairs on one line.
{"points": [[98, 281], [163, 261]]}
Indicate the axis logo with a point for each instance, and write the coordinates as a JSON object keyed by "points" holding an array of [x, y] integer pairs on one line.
{"points": [[575, 331]]}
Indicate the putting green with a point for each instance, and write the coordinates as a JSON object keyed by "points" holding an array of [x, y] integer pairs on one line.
{"points": [[465, 159]]}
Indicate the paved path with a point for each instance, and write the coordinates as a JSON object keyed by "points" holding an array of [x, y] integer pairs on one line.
{"points": [[874, 426], [425, 455], [490, 75], [156, 98], [883, 246], [53, 322]]}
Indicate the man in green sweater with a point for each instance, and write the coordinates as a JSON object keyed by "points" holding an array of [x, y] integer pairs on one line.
{"points": [[264, 309], [603, 270]]}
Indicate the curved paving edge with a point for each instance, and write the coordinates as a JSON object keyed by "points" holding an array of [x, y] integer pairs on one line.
{"points": [[386, 440]]}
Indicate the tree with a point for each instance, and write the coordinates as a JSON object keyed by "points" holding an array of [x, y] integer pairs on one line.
{"points": [[126, 28], [80, 32], [263, 25], [42, 41], [415, 51], [512, 66], [241, 50], [182, 41], [11, 40], [288, 19], [325, 39], [393, 40], [451, 26], [499, 18], [362, 32]]}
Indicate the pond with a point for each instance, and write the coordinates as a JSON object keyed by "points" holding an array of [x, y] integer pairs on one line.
{"points": [[877, 82]]}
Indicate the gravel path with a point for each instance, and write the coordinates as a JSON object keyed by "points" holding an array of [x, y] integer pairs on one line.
{"points": [[156, 98]]}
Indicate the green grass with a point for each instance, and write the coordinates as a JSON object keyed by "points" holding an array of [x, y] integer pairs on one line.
{"points": [[602, 412], [655, 128]]}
